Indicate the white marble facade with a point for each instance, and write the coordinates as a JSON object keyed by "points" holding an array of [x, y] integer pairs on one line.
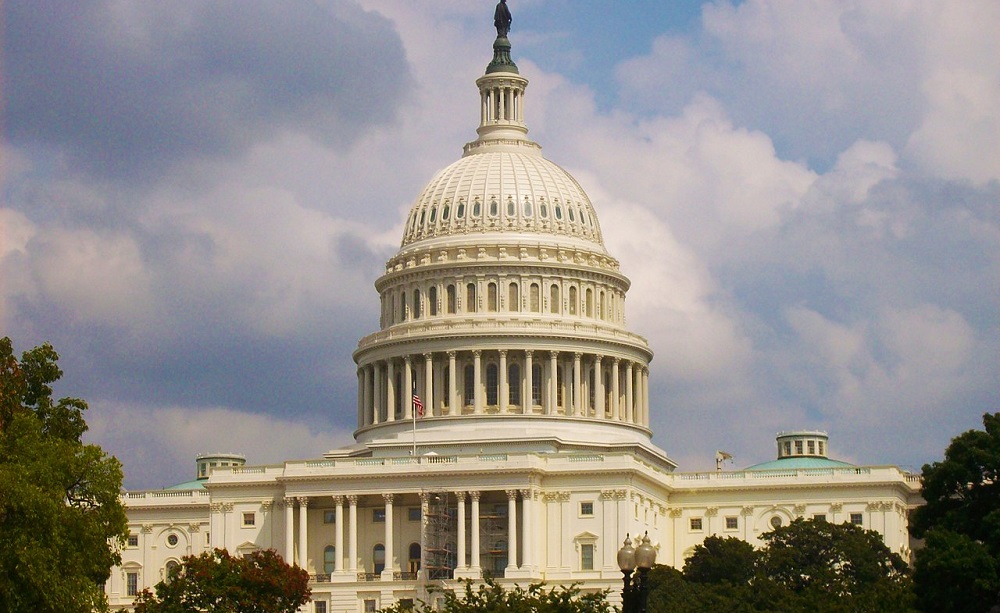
{"points": [[505, 314]]}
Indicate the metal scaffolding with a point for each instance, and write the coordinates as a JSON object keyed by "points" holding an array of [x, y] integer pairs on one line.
{"points": [[440, 529], [493, 539]]}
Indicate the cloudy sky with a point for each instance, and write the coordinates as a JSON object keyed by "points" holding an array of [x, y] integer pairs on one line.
{"points": [[198, 196]]}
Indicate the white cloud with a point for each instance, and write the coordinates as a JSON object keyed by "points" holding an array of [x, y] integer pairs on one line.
{"points": [[158, 445]]}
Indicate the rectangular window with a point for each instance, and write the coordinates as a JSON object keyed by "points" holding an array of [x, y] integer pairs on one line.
{"points": [[249, 520], [132, 584], [320, 607], [133, 540], [732, 523], [819, 517], [370, 606], [329, 516], [696, 523], [586, 509], [208, 539], [413, 514], [821, 448], [587, 556], [378, 516], [405, 604], [856, 518], [798, 447], [788, 448], [811, 445]]}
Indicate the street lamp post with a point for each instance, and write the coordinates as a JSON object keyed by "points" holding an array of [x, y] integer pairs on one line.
{"points": [[636, 584]]}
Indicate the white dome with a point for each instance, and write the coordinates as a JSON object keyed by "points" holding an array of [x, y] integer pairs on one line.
{"points": [[500, 190]]}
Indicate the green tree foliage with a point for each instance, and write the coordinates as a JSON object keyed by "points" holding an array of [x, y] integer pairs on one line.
{"points": [[805, 566], [216, 582], [958, 569], [62, 523], [490, 597], [719, 559]]}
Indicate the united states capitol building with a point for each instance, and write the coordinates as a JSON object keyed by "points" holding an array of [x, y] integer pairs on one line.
{"points": [[503, 416]]}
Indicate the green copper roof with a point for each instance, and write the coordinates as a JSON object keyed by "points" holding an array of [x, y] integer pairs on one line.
{"points": [[501, 57], [797, 462], [197, 484]]}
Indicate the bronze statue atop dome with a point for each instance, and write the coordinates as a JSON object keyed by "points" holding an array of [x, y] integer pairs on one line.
{"points": [[501, 19]]}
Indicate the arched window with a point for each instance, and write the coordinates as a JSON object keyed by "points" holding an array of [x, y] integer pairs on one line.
{"points": [[534, 298], [527, 207], [514, 384], [432, 300], [511, 208], [434, 211], [559, 386], [543, 210], [477, 209], [400, 394], [451, 299], [590, 302], [446, 212], [491, 297], [416, 304], [470, 298], [572, 300], [558, 211], [414, 557], [392, 309], [378, 558], [469, 387], [591, 389], [460, 211], [513, 299], [171, 564], [329, 559], [492, 384], [402, 306], [494, 207], [607, 394], [554, 298], [536, 384]]}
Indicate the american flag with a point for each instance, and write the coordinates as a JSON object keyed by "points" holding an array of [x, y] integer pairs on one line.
{"points": [[418, 405]]}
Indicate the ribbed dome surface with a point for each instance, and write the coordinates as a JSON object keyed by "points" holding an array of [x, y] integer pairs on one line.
{"points": [[503, 191]]}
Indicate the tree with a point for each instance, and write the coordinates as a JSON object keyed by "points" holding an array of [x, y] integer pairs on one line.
{"points": [[806, 566], [490, 597], [720, 559], [819, 560], [62, 523], [960, 562], [216, 582]]}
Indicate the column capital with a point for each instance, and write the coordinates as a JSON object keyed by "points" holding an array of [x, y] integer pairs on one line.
{"points": [[615, 361], [338, 499], [290, 500], [477, 353], [429, 355], [451, 354], [460, 496], [425, 497], [388, 498], [512, 494], [577, 355], [474, 495], [527, 494], [597, 358], [527, 353], [266, 504], [502, 352], [407, 360], [553, 355], [303, 501], [352, 499]]}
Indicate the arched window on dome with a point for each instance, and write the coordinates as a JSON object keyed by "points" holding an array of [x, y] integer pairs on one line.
{"points": [[591, 390], [446, 212], [494, 207], [470, 298], [572, 300], [491, 297], [420, 226], [543, 210], [469, 385], [536, 384], [492, 384], [511, 207], [607, 394], [534, 298], [514, 384], [460, 211], [433, 216], [477, 209], [559, 386], [527, 207], [569, 209], [590, 302], [513, 298], [416, 304], [450, 291], [554, 298], [432, 301], [559, 213], [329, 559]]}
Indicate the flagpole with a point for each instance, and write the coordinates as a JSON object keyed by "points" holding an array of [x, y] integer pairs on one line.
{"points": [[413, 413]]}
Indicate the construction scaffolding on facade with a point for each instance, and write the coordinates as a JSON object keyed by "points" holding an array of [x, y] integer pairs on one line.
{"points": [[439, 536], [493, 539]]}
